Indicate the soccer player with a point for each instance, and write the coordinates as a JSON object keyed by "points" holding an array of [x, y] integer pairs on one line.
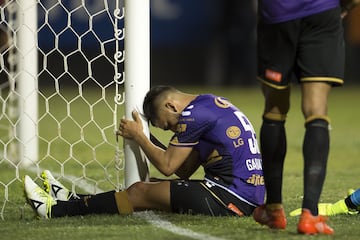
{"points": [[350, 205], [208, 131], [300, 40]]}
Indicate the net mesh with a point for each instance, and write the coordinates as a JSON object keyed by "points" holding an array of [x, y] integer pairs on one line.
{"points": [[79, 89]]}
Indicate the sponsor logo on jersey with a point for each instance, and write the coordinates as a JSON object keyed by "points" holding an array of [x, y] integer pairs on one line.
{"points": [[233, 132]]}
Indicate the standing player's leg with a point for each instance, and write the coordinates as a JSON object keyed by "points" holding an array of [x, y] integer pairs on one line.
{"points": [[315, 153], [316, 141], [275, 70], [273, 150], [321, 43]]}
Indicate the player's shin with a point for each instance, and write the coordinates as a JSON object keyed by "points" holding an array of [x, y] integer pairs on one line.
{"points": [[315, 151], [104, 203], [273, 151]]}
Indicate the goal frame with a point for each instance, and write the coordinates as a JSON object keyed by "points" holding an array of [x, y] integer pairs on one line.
{"points": [[137, 82], [135, 77], [27, 83]]}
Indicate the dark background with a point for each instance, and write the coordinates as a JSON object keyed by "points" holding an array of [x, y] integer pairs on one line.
{"points": [[192, 42]]}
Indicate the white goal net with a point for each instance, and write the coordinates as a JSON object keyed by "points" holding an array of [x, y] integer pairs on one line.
{"points": [[62, 92]]}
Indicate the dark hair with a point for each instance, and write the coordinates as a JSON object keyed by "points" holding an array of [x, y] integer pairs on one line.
{"points": [[149, 105]]}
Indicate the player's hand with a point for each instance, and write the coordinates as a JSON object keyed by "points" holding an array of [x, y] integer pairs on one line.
{"points": [[131, 129]]}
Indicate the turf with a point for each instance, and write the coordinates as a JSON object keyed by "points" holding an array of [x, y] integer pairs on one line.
{"points": [[343, 171]]}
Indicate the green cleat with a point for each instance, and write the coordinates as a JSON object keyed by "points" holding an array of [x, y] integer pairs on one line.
{"points": [[350, 191], [331, 209]]}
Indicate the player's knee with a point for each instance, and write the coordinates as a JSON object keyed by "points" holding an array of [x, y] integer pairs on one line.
{"points": [[277, 117], [276, 100], [136, 190], [317, 121], [123, 202], [276, 111]]}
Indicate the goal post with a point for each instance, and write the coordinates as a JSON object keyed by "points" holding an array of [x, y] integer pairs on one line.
{"points": [[137, 83], [27, 83]]}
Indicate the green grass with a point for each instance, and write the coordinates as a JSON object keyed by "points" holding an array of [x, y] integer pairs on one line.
{"points": [[343, 173]]}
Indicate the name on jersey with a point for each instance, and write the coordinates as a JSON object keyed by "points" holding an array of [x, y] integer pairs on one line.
{"points": [[253, 164]]}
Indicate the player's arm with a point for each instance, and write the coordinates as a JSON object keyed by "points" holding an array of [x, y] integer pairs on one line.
{"points": [[190, 165], [166, 161], [155, 141]]}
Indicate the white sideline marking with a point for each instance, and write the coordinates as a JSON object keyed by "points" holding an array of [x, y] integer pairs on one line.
{"points": [[155, 220], [149, 216]]}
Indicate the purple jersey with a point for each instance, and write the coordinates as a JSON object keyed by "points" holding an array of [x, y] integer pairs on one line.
{"points": [[227, 145], [276, 11]]}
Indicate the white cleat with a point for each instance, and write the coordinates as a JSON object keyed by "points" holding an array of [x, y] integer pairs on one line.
{"points": [[39, 200], [54, 187]]}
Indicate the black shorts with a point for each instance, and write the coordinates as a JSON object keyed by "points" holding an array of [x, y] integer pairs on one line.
{"points": [[199, 197], [309, 49]]}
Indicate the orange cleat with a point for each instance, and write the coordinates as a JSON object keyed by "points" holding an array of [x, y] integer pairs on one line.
{"points": [[309, 224], [273, 218]]}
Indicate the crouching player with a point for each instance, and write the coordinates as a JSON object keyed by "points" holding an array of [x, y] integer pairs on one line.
{"points": [[208, 131]]}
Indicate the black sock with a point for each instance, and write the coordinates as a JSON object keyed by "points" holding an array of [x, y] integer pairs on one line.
{"points": [[315, 150], [77, 196], [103, 203], [349, 203], [273, 150]]}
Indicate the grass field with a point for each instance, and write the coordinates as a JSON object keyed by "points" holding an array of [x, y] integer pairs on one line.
{"points": [[343, 173]]}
